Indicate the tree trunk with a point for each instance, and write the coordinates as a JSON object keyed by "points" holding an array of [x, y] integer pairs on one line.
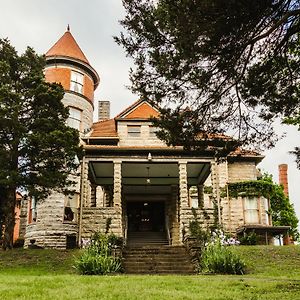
{"points": [[9, 219]]}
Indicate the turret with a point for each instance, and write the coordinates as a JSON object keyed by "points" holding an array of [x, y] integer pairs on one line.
{"points": [[67, 64]]}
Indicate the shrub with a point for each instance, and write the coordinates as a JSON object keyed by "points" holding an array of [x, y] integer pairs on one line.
{"points": [[94, 264], [249, 239], [99, 257], [220, 259]]}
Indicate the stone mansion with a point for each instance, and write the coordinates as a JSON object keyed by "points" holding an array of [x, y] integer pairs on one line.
{"points": [[131, 183]]}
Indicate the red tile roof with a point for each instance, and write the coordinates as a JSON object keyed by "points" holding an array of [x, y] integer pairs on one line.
{"points": [[105, 128], [141, 109], [67, 46]]}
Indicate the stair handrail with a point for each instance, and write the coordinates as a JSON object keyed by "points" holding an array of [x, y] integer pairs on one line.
{"points": [[168, 230], [125, 230]]}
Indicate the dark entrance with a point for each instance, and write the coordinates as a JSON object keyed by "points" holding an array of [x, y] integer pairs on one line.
{"points": [[146, 216]]}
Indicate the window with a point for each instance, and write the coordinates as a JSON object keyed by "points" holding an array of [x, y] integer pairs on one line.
{"points": [[251, 211], [71, 208], [74, 119], [32, 211], [134, 130], [152, 131], [76, 82]]}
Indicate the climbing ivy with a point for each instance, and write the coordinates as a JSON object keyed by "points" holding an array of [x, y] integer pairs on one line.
{"points": [[282, 211]]}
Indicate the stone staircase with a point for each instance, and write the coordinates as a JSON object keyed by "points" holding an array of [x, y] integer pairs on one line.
{"points": [[157, 260], [143, 238]]}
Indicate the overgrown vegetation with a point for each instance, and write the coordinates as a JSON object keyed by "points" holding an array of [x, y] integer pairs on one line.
{"points": [[100, 257], [214, 253], [219, 259], [281, 209]]}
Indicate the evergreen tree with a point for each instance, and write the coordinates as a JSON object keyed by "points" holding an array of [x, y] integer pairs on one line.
{"points": [[37, 148], [231, 66]]}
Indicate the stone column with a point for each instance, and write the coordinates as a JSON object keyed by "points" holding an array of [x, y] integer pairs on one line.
{"points": [[93, 195], [84, 184], [117, 183], [183, 197], [200, 190], [117, 197], [216, 188]]}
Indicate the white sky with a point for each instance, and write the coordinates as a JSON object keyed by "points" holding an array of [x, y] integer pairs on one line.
{"points": [[93, 23]]}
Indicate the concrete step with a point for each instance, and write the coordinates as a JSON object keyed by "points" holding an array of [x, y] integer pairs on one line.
{"points": [[157, 260]]}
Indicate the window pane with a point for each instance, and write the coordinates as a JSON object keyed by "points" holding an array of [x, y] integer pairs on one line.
{"points": [[77, 77], [250, 203], [71, 208], [75, 113], [133, 130], [251, 216]]}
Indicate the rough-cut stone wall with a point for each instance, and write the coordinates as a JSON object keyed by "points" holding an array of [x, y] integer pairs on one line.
{"points": [[50, 230], [83, 104], [207, 218], [145, 139], [241, 171], [94, 220], [233, 212]]}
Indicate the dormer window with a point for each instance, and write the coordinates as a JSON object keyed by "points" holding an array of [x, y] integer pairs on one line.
{"points": [[74, 119], [152, 131], [134, 130], [76, 82]]}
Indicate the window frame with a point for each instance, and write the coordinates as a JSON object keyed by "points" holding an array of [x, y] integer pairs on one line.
{"points": [[73, 119], [131, 132], [77, 82], [251, 211], [74, 209]]}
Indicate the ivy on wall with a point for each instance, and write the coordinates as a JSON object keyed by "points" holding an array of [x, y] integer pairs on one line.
{"points": [[281, 209]]}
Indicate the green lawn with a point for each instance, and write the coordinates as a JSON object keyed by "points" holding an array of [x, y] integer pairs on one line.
{"points": [[273, 273]]}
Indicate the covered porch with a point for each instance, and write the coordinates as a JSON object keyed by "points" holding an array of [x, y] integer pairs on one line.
{"points": [[137, 196]]}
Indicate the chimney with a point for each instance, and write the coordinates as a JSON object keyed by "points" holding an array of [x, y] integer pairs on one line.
{"points": [[103, 110], [283, 178]]}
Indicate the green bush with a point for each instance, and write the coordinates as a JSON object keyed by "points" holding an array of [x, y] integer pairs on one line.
{"points": [[99, 257], [91, 263], [220, 259], [249, 239]]}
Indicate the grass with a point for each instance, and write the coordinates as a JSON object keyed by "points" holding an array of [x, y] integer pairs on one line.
{"points": [[273, 273]]}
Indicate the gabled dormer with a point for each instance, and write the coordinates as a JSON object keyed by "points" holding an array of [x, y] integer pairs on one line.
{"points": [[132, 127]]}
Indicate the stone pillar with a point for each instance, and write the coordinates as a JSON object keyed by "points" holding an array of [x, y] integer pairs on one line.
{"points": [[200, 190], [85, 183], [183, 197], [117, 183], [117, 196], [93, 195], [83, 195], [216, 188], [174, 215]]}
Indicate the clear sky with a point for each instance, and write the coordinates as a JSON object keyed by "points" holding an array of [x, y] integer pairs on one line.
{"points": [[93, 23]]}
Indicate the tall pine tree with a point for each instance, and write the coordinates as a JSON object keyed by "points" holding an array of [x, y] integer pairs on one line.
{"points": [[37, 148]]}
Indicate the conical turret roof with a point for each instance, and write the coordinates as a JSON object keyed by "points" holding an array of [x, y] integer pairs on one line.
{"points": [[67, 46]]}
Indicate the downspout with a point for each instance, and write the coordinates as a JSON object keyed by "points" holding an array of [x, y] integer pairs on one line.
{"points": [[81, 201]]}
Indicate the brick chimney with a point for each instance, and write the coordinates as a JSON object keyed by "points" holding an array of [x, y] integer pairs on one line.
{"points": [[103, 110], [283, 178]]}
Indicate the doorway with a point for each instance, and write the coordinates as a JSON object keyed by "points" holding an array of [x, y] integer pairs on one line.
{"points": [[146, 216]]}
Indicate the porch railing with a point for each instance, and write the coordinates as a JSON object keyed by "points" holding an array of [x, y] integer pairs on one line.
{"points": [[125, 230], [168, 230]]}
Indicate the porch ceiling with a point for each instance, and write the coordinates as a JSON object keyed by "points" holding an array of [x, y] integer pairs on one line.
{"points": [[160, 174]]}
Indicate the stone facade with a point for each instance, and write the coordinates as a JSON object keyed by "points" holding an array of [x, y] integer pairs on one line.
{"points": [[125, 164]]}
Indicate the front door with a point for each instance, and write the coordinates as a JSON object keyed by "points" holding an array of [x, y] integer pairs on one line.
{"points": [[146, 216]]}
